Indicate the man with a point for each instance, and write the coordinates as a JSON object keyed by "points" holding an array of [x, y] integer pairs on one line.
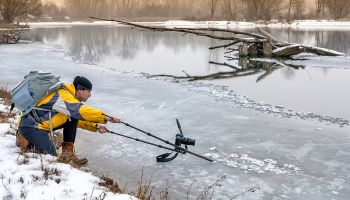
{"points": [[67, 112]]}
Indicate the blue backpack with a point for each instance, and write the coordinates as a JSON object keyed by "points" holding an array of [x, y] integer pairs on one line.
{"points": [[35, 86]]}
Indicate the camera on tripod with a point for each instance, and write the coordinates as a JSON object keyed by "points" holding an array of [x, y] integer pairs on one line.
{"points": [[180, 139]]}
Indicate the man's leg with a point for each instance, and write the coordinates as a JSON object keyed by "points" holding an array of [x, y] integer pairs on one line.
{"points": [[39, 140], [70, 130]]}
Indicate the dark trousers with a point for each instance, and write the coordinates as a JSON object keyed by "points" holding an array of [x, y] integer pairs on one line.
{"points": [[40, 142]]}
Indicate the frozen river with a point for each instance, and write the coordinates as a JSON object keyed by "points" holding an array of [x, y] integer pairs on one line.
{"points": [[319, 87], [288, 158]]}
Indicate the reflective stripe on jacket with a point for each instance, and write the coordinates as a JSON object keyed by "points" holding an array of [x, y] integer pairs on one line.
{"points": [[63, 104]]}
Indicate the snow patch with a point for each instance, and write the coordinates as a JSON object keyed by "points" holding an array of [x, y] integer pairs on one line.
{"points": [[37, 176], [248, 163]]}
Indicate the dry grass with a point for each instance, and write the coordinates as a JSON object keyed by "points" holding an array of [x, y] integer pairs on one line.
{"points": [[5, 95], [208, 192], [143, 191], [12, 26], [3, 118], [5, 98], [57, 139], [111, 185]]}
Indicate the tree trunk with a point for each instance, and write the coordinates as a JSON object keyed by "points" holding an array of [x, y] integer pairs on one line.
{"points": [[267, 48], [8, 19], [289, 8], [252, 50], [243, 50]]}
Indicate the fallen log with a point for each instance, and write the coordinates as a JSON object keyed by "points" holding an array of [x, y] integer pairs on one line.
{"points": [[288, 51], [294, 49], [322, 51], [252, 44], [185, 30]]}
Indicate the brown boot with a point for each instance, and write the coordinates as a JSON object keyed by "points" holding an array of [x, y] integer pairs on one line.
{"points": [[68, 155], [22, 142]]}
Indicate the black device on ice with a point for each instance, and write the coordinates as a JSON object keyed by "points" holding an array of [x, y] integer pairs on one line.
{"points": [[179, 140]]}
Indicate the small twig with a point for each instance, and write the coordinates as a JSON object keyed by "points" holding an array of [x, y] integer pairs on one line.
{"points": [[232, 58], [189, 189], [189, 76], [93, 188], [225, 45], [252, 189], [211, 188], [224, 64], [2, 180], [230, 51]]}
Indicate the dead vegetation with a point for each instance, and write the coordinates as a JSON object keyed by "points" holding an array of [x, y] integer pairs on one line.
{"points": [[144, 190], [5, 95], [5, 98], [10, 33]]}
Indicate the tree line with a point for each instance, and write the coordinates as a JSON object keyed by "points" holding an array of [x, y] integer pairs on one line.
{"points": [[249, 10]]}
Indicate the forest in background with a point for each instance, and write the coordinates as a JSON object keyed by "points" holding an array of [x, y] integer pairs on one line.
{"points": [[160, 10]]}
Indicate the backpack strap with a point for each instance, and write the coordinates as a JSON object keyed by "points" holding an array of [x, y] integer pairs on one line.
{"points": [[50, 119], [12, 107]]}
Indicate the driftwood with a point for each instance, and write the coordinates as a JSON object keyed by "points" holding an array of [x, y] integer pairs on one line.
{"points": [[9, 34], [8, 37], [188, 31], [249, 44]]}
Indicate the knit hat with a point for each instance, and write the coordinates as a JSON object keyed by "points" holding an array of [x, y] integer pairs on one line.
{"points": [[81, 82]]}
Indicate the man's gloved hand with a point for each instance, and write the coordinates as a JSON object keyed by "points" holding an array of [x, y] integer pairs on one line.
{"points": [[114, 119], [102, 129]]}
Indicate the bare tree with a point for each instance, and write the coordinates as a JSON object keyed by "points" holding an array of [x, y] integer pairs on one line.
{"points": [[298, 8], [10, 9], [126, 7], [262, 9], [85, 8], [289, 8], [212, 7], [338, 8], [320, 7], [231, 9], [295, 9]]}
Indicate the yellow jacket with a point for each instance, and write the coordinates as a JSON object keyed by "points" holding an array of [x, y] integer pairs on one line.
{"points": [[64, 105]]}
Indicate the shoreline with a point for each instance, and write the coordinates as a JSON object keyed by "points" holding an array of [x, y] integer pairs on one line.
{"points": [[298, 24]]}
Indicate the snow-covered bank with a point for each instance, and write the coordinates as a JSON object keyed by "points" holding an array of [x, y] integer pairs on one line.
{"points": [[302, 24], [35, 176]]}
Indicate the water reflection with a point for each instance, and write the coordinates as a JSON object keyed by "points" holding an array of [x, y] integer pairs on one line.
{"points": [[245, 66], [98, 44], [93, 44]]}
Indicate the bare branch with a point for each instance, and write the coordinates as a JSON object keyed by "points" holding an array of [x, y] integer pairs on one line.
{"points": [[224, 46], [224, 64], [183, 30]]}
